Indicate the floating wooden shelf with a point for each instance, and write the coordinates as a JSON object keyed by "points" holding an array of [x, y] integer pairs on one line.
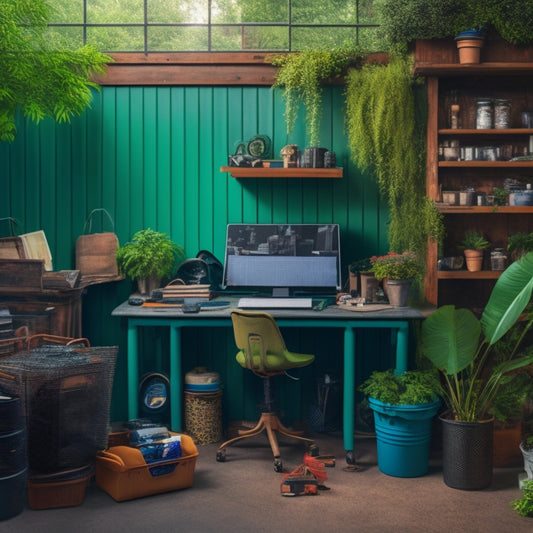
{"points": [[490, 69], [465, 274], [476, 210], [250, 172], [481, 164], [469, 131]]}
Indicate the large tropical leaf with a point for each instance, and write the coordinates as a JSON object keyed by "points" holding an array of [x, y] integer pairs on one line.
{"points": [[450, 338], [511, 294]]}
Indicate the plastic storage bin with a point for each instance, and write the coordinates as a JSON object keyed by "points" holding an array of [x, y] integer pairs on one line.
{"points": [[62, 489], [122, 472]]}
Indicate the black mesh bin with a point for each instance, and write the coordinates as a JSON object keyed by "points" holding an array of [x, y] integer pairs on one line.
{"points": [[66, 395]]}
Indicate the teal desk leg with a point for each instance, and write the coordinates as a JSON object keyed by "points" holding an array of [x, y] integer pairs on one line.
{"points": [[176, 389], [402, 342], [133, 372], [349, 391]]}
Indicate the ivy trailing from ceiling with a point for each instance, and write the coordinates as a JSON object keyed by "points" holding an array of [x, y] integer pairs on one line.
{"points": [[301, 75], [386, 126]]}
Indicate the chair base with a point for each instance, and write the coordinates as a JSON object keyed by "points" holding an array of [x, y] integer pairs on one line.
{"points": [[270, 423]]}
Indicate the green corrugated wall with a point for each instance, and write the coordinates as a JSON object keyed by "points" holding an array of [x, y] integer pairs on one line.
{"points": [[151, 156]]}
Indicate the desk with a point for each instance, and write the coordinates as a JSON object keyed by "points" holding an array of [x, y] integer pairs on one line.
{"points": [[395, 319]]}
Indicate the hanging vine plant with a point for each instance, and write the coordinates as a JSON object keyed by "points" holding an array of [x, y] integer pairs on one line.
{"points": [[385, 120], [301, 75]]}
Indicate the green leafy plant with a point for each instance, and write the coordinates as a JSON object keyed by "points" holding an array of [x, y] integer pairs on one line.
{"points": [[519, 244], [501, 196], [361, 265], [396, 266], [150, 253], [41, 79], [460, 345], [301, 75], [410, 388], [474, 240], [524, 505], [404, 21], [386, 125]]}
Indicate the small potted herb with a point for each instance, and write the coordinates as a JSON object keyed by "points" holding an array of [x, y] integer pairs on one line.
{"points": [[473, 245], [519, 244], [355, 269], [149, 257]]}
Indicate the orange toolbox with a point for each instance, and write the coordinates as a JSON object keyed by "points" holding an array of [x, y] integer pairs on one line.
{"points": [[122, 472]]}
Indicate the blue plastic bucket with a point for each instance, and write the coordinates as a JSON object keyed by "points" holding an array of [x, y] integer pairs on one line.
{"points": [[403, 434]]}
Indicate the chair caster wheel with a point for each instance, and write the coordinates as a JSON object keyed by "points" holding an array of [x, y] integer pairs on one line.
{"points": [[221, 456], [278, 466], [314, 450]]}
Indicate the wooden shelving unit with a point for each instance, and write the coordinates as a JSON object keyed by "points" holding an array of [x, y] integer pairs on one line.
{"points": [[500, 79], [250, 172]]}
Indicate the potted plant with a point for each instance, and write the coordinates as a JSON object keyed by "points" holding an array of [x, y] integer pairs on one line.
{"points": [[404, 406], [397, 272], [355, 269], [519, 244], [473, 245], [526, 447], [501, 196], [460, 346], [149, 257]]}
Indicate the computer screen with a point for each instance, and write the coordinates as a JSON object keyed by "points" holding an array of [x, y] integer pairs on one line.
{"points": [[283, 259]]}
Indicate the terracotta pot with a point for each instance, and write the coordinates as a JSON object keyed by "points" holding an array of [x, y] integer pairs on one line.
{"points": [[354, 281], [474, 260], [469, 51], [506, 451]]}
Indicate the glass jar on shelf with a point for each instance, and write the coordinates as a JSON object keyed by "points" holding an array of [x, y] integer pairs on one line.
{"points": [[484, 114], [502, 113], [498, 259]]}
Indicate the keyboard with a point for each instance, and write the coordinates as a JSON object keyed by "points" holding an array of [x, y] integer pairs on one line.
{"points": [[275, 303]]}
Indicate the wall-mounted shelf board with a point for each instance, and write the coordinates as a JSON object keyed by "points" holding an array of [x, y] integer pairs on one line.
{"points": [[250, 172]]}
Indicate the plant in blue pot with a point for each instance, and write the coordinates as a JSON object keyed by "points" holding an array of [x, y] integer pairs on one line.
{"points": [[404, 407]]}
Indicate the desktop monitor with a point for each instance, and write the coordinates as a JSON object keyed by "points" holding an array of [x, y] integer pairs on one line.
{"points": [[283, 259]]}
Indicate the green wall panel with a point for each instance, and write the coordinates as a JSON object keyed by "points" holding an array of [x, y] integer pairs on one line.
{"points": [[151, 156]]}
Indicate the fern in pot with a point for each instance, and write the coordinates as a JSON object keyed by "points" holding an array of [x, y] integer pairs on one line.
{"points": [[149, 257], [404, 407]]}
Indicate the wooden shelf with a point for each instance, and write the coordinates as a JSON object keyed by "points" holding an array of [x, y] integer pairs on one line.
{"points": [[476, 210], [250, 172], [455, 69], [506, 131], [486, 164], [465, 274]]}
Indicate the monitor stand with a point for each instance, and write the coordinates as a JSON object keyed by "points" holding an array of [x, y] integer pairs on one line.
{"points": [[280, 292]]}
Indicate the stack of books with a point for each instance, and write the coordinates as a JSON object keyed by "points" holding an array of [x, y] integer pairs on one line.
{"points": [[200, 293]]}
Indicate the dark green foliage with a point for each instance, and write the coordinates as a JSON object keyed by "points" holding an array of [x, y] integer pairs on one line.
{"points": [[524, 505], [35, 76], [386, 127], [404, 21], [411, 388], [473, 240]]}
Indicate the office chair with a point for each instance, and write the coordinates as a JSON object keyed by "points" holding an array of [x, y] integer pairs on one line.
{"points": [[262, 350]]}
